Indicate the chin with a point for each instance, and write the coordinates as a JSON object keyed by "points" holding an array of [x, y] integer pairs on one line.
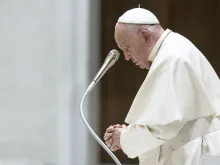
{"points": [[143, 67], [147, 67]]}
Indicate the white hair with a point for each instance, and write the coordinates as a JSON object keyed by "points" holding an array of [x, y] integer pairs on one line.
{"points": [[135, 27]]}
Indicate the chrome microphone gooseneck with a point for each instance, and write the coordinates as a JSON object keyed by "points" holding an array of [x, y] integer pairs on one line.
{"points": [[109, 61]]}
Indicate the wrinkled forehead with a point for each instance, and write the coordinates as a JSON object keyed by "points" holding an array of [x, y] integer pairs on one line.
{"points": [[121, 33]]}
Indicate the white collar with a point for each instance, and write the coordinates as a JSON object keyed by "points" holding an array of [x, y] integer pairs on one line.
{"points": [[156, 47]]}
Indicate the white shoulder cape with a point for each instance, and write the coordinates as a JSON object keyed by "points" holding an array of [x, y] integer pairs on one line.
{"points": [[180, 86]]}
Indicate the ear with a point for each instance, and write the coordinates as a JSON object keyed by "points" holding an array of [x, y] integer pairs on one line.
{"points": [[146, 35]]}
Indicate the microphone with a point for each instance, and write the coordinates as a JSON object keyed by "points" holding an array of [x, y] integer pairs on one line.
{"points": [[110, 60]]}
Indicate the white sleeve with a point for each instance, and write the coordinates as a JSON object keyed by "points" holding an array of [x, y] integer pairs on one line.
{"points": [[136, 140]]}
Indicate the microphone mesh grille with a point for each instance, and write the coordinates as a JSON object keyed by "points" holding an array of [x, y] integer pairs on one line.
{"points": [[115, 53]]}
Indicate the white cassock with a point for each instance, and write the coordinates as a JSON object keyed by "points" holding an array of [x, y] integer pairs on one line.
{"points": [[175, 116]]}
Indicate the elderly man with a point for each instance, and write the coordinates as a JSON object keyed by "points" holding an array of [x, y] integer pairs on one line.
{"points": [[174, 118]]}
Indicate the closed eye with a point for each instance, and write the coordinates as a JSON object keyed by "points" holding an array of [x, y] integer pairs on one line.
{"points": [[127, 50]]}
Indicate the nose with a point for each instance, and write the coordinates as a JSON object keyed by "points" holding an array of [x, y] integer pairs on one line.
{"points": [[127, 56]]}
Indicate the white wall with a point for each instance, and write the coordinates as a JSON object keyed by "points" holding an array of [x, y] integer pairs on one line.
{"points": [[76, 26], [27, 80], [44, 71]]}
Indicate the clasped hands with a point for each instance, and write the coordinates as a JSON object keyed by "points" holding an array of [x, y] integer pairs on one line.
{"points": [[112, 136]]}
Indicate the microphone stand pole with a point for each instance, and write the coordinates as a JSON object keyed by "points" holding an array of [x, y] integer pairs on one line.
{"points": [[90, 129]]}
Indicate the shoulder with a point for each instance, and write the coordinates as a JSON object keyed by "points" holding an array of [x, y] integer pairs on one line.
{"points": [[170, 56], [170, 61], [177, 48], [177, 43]]}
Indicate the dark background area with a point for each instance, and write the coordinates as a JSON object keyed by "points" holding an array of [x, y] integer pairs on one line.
{"points": [[197, 20]]}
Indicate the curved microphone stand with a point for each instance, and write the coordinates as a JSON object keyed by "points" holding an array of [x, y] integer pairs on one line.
{"points": [[90, 129]]}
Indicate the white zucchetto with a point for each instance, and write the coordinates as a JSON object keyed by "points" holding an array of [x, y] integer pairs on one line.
{"points": [[138, 16]]}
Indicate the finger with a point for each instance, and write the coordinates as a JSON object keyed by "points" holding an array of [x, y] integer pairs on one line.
{"points": [[112, 148], [115, 148], [124, 126], [109, 142], [110, 129], [108, 136], [117, 126], [119, 148]]}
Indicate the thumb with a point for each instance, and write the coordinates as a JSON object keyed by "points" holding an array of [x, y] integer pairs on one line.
{"points": [[117, 126]]}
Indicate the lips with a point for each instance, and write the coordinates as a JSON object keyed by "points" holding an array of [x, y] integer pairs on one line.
{"points": [[134, 61]]}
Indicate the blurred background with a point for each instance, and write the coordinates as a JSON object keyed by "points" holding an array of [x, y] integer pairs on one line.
{"points": [[49, 52]]}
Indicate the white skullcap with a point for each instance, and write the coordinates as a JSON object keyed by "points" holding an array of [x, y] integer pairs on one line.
{"points": [[138, 16]]}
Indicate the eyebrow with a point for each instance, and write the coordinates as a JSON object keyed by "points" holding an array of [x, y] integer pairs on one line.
{"points": [[122, 45], [139, 31], [126, 47]]}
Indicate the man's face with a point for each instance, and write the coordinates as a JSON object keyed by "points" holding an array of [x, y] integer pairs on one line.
{"points": [[133, 44]]}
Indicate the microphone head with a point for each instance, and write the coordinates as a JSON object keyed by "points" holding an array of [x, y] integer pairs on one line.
{"points": [[110, 60], [113, 56]]}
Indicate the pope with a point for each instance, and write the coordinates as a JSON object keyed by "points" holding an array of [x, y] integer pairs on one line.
{"points": [[175, 116]]}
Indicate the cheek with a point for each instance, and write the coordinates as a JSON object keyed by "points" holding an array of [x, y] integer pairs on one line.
{"points": [[135, 48], [138, 51], [137, 45]]}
